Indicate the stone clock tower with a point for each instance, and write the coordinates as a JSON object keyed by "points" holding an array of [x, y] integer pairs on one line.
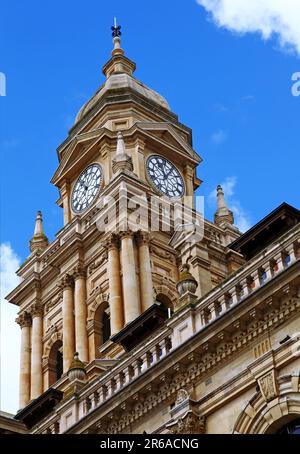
{"points": [[141, 315], [99, 291]]}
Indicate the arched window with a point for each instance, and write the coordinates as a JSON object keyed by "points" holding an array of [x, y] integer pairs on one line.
{"points": [[105, 327], [55, 362], [101, 332], [165, 303], [293, 428]]}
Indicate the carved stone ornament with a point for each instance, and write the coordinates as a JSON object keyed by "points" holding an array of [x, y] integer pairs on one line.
{"points": [[126, 234], [112, 242], [24, 320], [182, 396], [142, 238], [97, 263], [189, 424], [268, 386], [66, 281], [79, 271], [162, 253], [36, 310]]}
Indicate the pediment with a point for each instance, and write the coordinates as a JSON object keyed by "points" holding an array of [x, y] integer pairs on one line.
{"points": [[80, 150], [168, 135]]}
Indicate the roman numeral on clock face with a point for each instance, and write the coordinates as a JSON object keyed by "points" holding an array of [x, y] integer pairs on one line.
{"points": [[86, 188], [165, 177]]}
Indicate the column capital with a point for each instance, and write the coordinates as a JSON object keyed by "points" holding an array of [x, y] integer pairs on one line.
{"points": [[126, 234], [79, 271], [36, 310], [66, 281], [143, 237], [112, 241], [24, 320]]}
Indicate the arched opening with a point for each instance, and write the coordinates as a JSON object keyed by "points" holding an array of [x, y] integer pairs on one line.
{"points": [[55, 362], [292, 428], [105, 327], [166, 304], [101, 332]]}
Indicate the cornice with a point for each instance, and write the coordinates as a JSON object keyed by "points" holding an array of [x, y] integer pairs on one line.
{"points": [[188, 366], [172, 379], [122, 96], [26, 287]]}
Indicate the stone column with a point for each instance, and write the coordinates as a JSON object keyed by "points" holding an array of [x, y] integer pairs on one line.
{"points": [[189, 186], [68, 322], [36, 350], [81, 314], [132, 307], [65, 195], [24, 321], [115, 290], [146, 283]]}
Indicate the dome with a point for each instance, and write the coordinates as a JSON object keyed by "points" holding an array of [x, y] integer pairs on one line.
{"points": [[123, 80]]}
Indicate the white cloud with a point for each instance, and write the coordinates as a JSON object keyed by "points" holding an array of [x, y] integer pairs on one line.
{"points": [[241, 217], [280, 18], [219, 137], [10, 331]]}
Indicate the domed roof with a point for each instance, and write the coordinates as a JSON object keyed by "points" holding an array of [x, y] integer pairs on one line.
{"points": [[123, 80], [118, 71]]}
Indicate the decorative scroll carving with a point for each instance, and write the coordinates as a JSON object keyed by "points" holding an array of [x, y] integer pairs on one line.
{"points": [[268, 386], [143, 237], [24, 320], [163, 254], [79, 271], [190, 424], [126, 234], [56, 299], [36, 310], [66, 281], [112, 242], [97, 263]]}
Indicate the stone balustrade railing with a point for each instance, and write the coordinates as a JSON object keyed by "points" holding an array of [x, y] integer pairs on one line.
{"points": [[131, 368], [253, 276], [257, 273]]}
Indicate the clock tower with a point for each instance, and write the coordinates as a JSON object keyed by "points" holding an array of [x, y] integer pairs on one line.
{"points": [[111, 275]]}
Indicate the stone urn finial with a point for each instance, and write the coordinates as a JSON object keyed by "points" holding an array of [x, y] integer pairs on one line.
{"points": [[186, 283], [77, 369]]}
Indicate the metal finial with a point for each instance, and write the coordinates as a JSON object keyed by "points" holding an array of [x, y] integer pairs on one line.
{"points": [[116, 29]]}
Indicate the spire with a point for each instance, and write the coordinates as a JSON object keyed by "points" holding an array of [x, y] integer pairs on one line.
{"points": [[121, 161], [39, 241], [116, 34], [223, 214], [118, 64]]}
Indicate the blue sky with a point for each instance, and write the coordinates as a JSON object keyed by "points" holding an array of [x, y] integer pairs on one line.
{"points": [[232, 89]]}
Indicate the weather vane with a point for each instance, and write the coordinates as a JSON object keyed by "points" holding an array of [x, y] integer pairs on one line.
{"points": [[116, 29]]}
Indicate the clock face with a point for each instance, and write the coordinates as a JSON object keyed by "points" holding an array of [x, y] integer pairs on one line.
{"points": [[165, 177], [86, 188]]}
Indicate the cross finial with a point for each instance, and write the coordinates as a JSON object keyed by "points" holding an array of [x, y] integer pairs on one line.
{"points": [[116, 29]]}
